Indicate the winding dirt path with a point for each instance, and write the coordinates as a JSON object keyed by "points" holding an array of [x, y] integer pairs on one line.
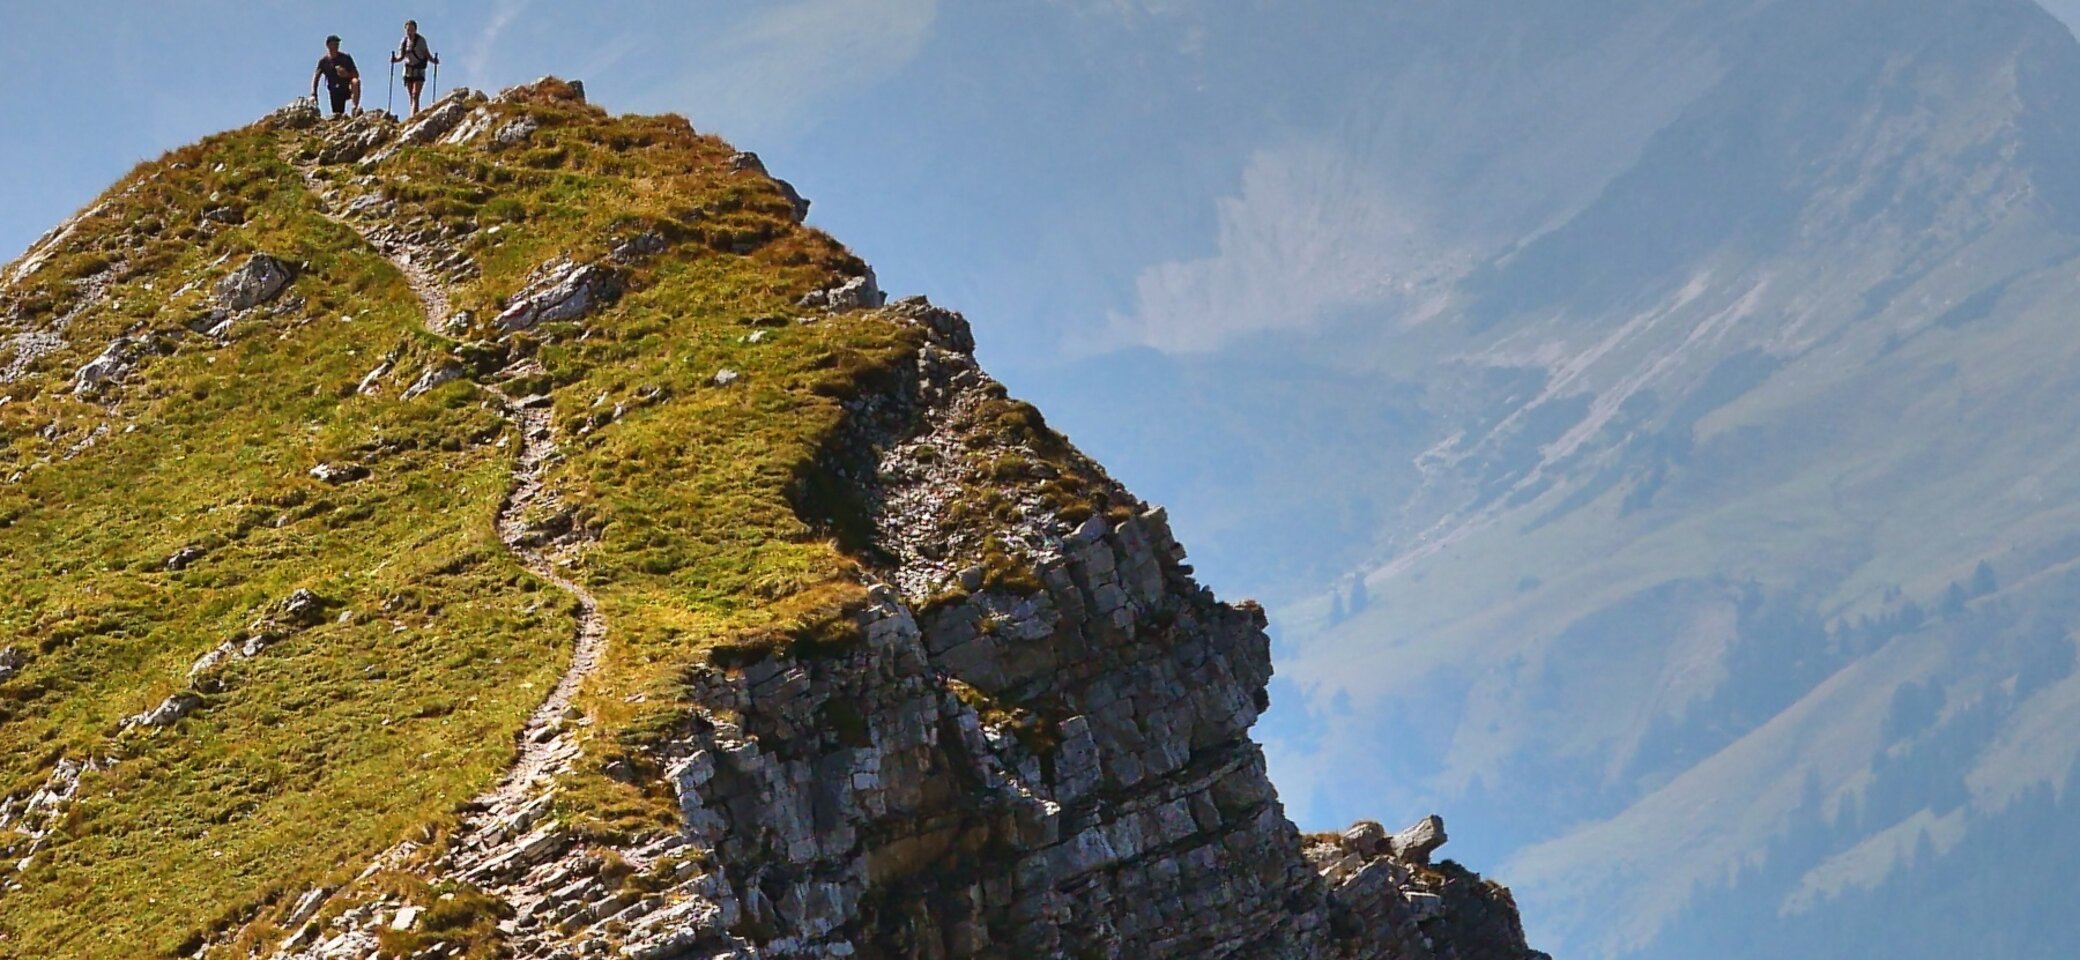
{"points": [[545, 748]]}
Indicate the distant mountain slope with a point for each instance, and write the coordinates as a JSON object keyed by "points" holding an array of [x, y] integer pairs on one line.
{"points": [[1735, 502]]}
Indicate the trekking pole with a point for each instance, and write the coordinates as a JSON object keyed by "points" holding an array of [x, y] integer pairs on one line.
{"points": [[436, 95], [390, 94]]}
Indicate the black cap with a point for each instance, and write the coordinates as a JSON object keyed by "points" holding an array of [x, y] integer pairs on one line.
{"points": [[332, 39]]}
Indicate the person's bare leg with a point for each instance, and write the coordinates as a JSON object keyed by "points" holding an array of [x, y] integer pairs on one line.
{"points": [[357, 96], [413, 88]]}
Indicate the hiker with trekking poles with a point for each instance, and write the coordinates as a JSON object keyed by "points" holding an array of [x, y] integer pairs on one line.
{"points": [[342, 78], [414, 52]]}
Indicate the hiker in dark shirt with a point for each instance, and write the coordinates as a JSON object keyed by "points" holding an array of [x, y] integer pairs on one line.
{"points": [[415, 53], [342, 78]]}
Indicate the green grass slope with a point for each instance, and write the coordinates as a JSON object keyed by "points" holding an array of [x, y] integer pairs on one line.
{"points": [[373, 726]]}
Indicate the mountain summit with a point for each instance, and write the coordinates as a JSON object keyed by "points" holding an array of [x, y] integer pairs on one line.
{"points": [[513, 533]]}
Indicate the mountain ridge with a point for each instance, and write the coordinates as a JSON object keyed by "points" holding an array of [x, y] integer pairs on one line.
{"points": [[512, 533]]}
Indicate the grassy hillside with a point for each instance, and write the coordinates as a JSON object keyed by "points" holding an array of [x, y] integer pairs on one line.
{"points": [[373, 725]]}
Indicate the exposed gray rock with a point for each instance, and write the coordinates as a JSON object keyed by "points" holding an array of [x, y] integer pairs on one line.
{"points": [[298, 114], [107, 368], [799, 203], [25, 348], [12, 660], [471, 127], [1416, 843], [514, 132], [373, 379], [167, 713], [724, 377], [857, 293], [258, 280], [301, 609], [184, 557], [434, 377], [338, 473], [560, 290], [205, 666], [573, 90], [441, 117], [352, 139], [638, 247]]}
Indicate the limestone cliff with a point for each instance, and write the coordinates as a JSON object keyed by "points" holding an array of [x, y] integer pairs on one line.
{"points": [[851, 655]]}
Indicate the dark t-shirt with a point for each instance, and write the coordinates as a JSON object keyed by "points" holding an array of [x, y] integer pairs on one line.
{"points": [[339, 70]]}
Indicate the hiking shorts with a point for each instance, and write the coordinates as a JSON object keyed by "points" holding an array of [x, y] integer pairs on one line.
{"points": [[339, 98], [415, 74]]}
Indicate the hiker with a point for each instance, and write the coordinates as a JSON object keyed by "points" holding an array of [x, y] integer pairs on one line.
{"points": [[415, 54], [342, 78]]}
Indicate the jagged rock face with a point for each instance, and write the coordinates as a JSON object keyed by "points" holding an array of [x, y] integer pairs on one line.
{"points": [[1057, 766], [865, 802]]}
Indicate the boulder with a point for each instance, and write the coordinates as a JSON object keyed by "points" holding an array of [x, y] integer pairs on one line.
{"points": [[858, 293], [298, 114], [560, 290], [260, 279], [12, 660], [107, 368], [1415, 844], [638, 247], [1367, 838], [302, 609], [167, 713], [350, 141], [514, 133], [338, 473], [439, 118], [478, 121], [183, 558], [433, 378]]}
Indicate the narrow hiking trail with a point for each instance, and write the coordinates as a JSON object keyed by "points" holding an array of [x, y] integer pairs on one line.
{"points": [[546, 747]]}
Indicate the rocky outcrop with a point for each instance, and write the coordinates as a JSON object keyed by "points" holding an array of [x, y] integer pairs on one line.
{"points": [[857, 293], [338, 473], [748, 161], [260, 279], [560, 290], [1034, 742], [350, 140], [445, 116], [107, 367], [167, 713]]}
